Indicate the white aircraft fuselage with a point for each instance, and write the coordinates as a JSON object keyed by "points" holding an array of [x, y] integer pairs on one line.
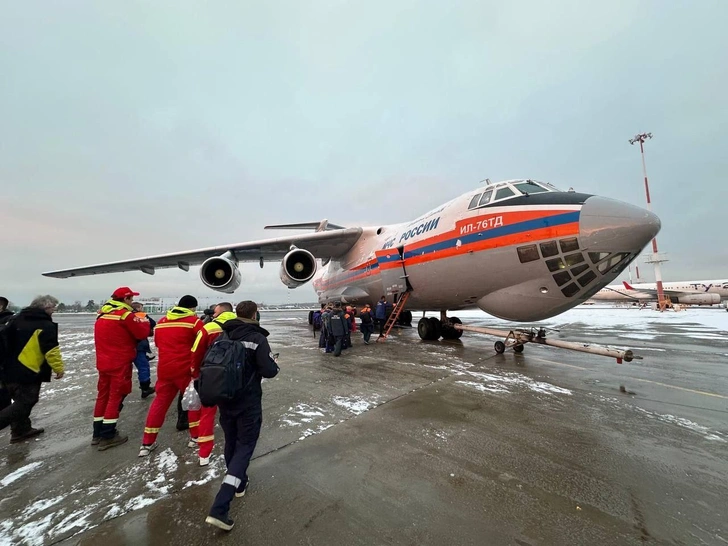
{"points": [[527, 257]]}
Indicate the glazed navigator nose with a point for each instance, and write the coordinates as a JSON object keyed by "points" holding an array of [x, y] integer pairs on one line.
{"points": [[608, 225]]}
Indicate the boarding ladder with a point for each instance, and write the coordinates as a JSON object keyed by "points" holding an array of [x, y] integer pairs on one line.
{"points": [[394, 315]]}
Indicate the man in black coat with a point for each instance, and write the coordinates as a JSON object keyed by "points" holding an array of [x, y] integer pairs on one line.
{"points": [[339, 328], [241, 418], [33, 352]]}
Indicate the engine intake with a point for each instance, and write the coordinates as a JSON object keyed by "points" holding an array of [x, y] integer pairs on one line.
{"points": [[297, 268], [220, 274]]}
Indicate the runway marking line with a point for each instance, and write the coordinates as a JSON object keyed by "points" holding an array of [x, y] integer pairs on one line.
{"points": [[704, 393]]}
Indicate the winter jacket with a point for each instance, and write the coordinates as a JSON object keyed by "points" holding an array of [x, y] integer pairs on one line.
{"points": [[174, 337], [33, 349], [116, 334], [260, 363], [339, 324], [380, 311], [205, 338], [366, 317], [5, 316]]}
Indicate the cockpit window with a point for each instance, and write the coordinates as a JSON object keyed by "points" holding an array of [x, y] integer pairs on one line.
{"points": [[529, 186], [474, 201], [503, 193], [486, 198]]}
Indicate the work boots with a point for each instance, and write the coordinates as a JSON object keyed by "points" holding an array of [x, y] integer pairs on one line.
{"points": [[30, 433], [116, 440], [146, 388]]}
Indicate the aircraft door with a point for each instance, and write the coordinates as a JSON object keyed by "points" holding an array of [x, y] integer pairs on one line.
{"points": [[392, 270]]}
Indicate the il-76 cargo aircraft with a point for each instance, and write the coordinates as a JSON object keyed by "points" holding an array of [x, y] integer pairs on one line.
{"points": [[521, 250], [685, 292]]}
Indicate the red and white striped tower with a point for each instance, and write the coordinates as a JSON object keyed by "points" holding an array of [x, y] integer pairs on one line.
{"points": [[656, 259]]}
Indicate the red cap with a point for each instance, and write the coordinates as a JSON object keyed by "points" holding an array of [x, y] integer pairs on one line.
{"points": [[123, 292]]}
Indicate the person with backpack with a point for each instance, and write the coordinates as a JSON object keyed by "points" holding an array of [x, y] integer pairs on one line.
{"points": [[143, 351], [174, 336], [339, 328], [116, 333], [367, 323], [241, 411], [316, 321], [328, 339], [31, 353], [202, 421]]}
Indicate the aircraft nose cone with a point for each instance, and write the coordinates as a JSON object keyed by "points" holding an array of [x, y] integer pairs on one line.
{"points": [[608, 225]]}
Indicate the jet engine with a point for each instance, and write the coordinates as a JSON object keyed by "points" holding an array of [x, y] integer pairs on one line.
{"points": [[697, 299], [220, 274], [297, 268]]}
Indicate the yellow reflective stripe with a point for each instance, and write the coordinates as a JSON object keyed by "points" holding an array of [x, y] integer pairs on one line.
{"points": [[212, 327], [174, 325], [197, 341], [98, 419], [110, 317], [194, 424], [31, 357], [125, 315], [53, 357], [110, 421], [205, 439], [149, 430]]}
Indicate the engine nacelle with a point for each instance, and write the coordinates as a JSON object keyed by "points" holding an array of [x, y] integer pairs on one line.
{"points": [[220, 274], [297, 268], [697, 299]]}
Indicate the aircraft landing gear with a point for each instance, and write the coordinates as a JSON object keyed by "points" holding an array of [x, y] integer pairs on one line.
{"points": [[430, 328], [405, 318]]}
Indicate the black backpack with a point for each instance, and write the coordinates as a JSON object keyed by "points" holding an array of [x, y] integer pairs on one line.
{"points": [[223, 371], [6, 330]]}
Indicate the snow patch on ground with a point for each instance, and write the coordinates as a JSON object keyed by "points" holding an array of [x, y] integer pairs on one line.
{"points": [[19, 473], [356, 405], [501, 383], [87, 506], [686, 424]]}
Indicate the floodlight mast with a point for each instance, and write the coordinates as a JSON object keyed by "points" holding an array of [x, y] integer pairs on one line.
{"points": [[655, 259]]}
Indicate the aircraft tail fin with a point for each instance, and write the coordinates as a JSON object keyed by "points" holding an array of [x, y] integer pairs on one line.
{"points": [[323, 225], [627, 285]]}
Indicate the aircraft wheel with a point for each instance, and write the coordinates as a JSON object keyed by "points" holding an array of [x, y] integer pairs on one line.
{"points": [[518, 349], [406, 318], [499, 347], [436, 328], [425, 329], [458, 333]]}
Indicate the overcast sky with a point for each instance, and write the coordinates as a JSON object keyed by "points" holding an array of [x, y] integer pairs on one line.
{"points": [[134, 128]]}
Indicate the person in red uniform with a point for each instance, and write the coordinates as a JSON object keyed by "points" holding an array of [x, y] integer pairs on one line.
{"points": [[202, 422], [116, 334], [174, 336]]}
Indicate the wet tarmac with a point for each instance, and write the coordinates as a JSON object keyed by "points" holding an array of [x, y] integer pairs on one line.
{"points": [[410, 442]]}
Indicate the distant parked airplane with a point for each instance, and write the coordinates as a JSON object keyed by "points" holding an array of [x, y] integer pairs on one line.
{"points": [[685, 292]]}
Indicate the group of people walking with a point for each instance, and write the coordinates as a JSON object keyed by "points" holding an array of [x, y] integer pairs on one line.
{"points": [[30, 352], [337, 324]]}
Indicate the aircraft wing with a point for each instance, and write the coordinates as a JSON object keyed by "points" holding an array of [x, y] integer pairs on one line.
{"points": [[322, 244]]}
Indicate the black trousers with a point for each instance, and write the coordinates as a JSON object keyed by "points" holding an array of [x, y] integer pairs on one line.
{"points": [[16, 405], [241, 435]]}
